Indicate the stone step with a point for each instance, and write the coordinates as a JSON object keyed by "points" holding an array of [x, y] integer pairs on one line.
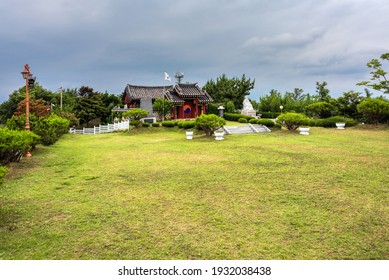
{"points": [[245, 129]]}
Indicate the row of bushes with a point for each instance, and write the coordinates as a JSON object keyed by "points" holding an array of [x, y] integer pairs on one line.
{"points": [[331, 122], [294, 120], [267, 122], [50, 129]]}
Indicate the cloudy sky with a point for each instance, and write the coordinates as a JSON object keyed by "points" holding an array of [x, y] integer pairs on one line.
{"points": [[106, 44]]}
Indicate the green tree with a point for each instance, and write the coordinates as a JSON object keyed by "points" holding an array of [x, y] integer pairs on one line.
{"points": [[36, 91], [210, 123], [89, 105], [379, 80], [376, 109], [225, 89], [271, 102], [347, 104], [162, 107], [320, 109], [323, 93], [230, 107]]}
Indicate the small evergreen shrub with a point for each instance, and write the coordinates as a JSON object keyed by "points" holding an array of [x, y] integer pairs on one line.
{"points": [[180, 123], [254, 121], [145, 124], [136, 123], [267, 122], [242, 120], [168, 123], [156, 124], [188, 124], [292, 120], [209, 123]]}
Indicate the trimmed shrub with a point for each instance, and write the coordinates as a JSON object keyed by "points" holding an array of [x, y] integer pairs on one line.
{"points": [[3, 171], [331, 121], [188, 124], [156, 124], [254, 121], [375, 109], [168, 123], [180, 123], [135, 114], [14, 144], [267, 122], [136, 123], [292, 120], [242, 120], [145, 124], [209, 123]]}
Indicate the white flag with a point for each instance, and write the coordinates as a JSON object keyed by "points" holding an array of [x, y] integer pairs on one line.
{"points": [[167, 77]]}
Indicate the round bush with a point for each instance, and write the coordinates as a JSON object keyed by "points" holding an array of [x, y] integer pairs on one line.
{"points": [[180, 123], [145, 124], [156, 124], [242, 120], [188, 124], [254, 121], [267, 122], [168, 123]]}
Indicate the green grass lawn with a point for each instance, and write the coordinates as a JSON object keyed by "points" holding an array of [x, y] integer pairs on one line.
{"points": [[155, 195]]}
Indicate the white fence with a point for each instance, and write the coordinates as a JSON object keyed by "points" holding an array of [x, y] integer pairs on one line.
{"points": [[124, 125]]}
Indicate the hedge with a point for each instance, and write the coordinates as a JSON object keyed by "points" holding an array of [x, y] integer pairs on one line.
{"points": [[236, 117], [168, 123], [331, 121], [267, 122]]}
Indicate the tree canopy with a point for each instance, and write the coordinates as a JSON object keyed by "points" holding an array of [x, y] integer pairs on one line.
{"points": [[226, 89], [379, 80]]}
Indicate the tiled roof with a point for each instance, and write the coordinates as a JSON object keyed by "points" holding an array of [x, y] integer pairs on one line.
{"points": [[138, 92], [175, 94]]}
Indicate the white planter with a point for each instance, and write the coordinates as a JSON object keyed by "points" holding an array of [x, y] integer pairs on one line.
{"points": [[304, 130], [340, 125], [189, 135], [219, 136]]}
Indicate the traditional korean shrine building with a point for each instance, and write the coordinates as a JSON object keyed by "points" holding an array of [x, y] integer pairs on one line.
{"points": [[189, 101]]}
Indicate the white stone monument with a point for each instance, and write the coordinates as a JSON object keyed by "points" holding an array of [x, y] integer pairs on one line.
{"points": [[248, 109]]}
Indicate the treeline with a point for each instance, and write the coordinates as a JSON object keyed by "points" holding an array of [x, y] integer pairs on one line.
{"points": [[80, 106]]}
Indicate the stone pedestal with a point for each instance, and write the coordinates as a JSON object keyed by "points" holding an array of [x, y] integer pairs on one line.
{"points": [[248, 112]]}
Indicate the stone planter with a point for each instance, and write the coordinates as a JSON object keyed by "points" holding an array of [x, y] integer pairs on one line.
{"points": [[219, 135], [189, 135], [304, 130], [340, 125]]}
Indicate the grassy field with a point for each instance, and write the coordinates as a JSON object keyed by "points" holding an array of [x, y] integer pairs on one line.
{"points": [[155, 195]]}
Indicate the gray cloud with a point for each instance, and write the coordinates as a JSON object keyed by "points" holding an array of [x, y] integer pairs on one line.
{"points": [[108, 43]]}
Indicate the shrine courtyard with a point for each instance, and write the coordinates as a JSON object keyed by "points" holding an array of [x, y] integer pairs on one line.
{"points": [[152, 194]]}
